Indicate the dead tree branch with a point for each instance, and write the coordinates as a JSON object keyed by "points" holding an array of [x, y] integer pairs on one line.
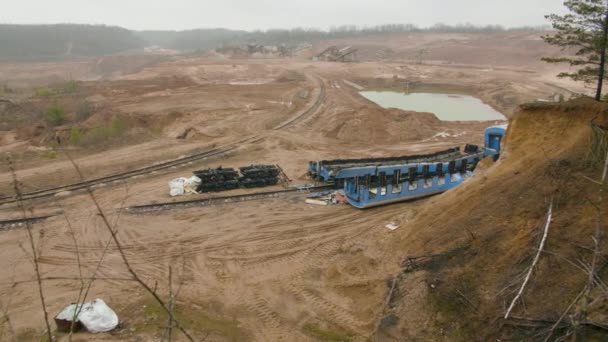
{"points": [[387, 302], [30, 236], [168, 334], [605, 172], [534, 262], [17, 283], [591, 282], [561, 318], [82, 284], [83, 297], [5, 306], [123, 256]]}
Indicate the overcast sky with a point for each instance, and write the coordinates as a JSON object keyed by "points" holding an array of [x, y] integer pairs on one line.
{"points": [[265, 14]]}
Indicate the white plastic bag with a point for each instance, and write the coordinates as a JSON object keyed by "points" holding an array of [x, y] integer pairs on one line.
{"points": [[176, 186], [97, 317], [191, 184]]}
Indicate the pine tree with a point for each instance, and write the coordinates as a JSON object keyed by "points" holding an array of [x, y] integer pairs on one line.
{"points": [[585, 31]]}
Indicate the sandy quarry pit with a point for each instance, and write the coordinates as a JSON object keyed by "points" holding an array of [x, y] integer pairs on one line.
{"points": [[269, 269]]}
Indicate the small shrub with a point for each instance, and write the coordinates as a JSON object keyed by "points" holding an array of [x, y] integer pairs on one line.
{"points": [[52, 154], [55, 115], [389, 321], [43, 92], [75, 136], [4, 89], [70, 87], [100, 134], [117, 126], [84, 111], [97, 135]]}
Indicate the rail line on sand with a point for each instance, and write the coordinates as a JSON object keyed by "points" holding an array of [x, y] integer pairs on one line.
{"points": [[168, 164], [204, 202], [18, 223], [163, 206]]}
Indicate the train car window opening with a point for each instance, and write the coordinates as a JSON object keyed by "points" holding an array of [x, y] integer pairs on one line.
{"points": [[397, 188]]}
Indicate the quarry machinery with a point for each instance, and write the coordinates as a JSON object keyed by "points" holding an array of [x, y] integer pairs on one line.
{"points": [[379, 181]]}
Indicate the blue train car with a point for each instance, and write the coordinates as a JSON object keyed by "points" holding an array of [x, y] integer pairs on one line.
{"points": [[389, 184], [332, 170], [369, 186]]}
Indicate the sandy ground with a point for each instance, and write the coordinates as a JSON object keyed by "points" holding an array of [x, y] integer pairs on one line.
{"points": [[273, 268]]}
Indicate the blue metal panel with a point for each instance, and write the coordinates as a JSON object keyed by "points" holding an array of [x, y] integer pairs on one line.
{"points": [[356, 171], [492, 139], [389, 169], [329, 170], [361, 197]]}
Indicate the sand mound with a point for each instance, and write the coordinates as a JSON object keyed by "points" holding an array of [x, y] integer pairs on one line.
{"points": [[377, 125]]}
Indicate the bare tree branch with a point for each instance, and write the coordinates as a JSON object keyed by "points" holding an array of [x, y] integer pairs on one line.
{"points": [[561, 318], [82, 300], [534, 262], [30, 236], [123, 256], [82, 285]]}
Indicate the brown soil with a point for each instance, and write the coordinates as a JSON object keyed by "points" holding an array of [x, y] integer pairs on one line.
{"points": [[280, 269], [488, 230]]}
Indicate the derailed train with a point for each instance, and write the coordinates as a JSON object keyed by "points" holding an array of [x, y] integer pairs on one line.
{"points": [[378, 181]]}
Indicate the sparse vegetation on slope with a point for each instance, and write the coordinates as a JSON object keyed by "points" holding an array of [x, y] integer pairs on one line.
{"points": [[494, 223]]}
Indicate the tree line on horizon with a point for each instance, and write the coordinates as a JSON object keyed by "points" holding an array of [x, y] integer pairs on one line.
{"points": [[66, 41], [63, 41]]}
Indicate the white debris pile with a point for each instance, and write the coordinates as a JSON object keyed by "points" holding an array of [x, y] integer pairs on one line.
{"points": [[182, 185], [95, 316], [392, 226], [316, 202], [327, 197]]}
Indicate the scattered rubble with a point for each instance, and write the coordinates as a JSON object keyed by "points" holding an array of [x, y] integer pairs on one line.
{"points": [[327, 197], [320, 194], [392, 226], [316, 202]]}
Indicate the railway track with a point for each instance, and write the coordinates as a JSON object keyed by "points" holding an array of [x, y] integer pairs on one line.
{"points": [[172, 163], [308, 111], [18, 223], [124, 175], [204, 202]]}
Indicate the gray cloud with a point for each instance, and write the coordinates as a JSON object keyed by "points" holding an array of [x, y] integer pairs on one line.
{"points": [[265, 14]]}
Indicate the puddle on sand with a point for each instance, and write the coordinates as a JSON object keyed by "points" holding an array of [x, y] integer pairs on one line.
{"points": [[447, 107]]}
